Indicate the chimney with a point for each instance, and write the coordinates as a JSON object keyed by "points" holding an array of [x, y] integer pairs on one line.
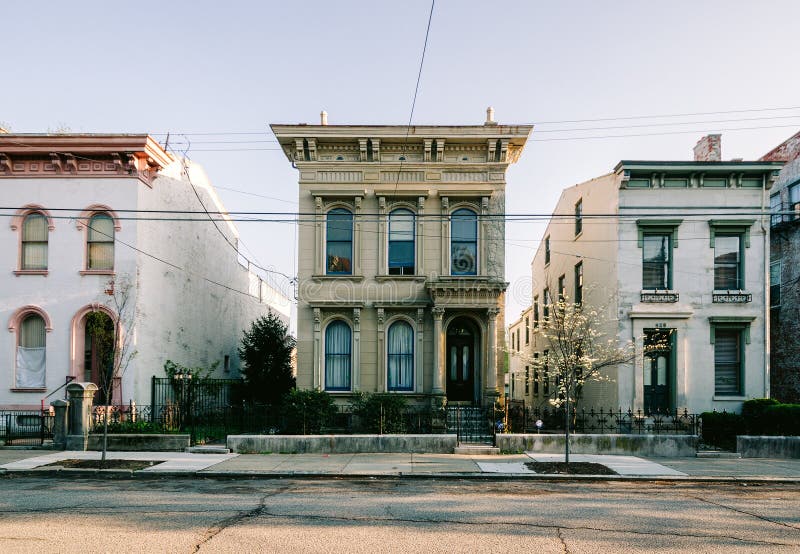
{"points": [[708, 149], [490, 116], [323, 117]]}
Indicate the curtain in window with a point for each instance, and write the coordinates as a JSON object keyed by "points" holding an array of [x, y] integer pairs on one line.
{"points": [[31, 353], [34, 242], [337, 356], [339, 237], [401, 356], [727, 367], [100, 238]]}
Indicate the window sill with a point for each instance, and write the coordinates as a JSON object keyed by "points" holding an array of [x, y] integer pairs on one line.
{"points": [[354, 278], [97, 272], [381, 278], [31, 272], [29, 390], [579, 235], [731, 398], [731, 297]]}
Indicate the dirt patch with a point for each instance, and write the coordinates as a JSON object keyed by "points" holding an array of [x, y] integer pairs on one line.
{"points": [[573, 468], [134, 465]]}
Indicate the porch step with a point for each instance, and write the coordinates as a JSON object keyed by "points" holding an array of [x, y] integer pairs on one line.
{"points": [[717, 454], [476, 449], [207, 450]]}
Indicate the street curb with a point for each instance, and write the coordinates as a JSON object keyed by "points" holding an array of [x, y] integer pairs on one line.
{"points": [[69, 473]]}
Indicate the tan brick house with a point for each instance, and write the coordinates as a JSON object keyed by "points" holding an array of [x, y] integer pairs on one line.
{"points": [[401, 266]]}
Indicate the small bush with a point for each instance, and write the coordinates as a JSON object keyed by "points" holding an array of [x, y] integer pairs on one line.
{"points": [[380, 413], [782, 419], [307, 411], [720, 429], [753, 412]]}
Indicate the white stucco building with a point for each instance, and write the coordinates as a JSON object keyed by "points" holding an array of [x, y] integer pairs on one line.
{"points": [[77, 215], [678, 256]]}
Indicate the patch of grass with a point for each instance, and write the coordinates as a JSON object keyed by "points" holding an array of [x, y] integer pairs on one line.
{"points": [[134, 465], [572, 468]]}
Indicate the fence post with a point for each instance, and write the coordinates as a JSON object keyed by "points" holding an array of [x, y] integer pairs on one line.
{"points": [[60, 423]]}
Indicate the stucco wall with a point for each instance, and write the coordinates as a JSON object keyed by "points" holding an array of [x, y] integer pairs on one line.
{"points": [[63, 291]]}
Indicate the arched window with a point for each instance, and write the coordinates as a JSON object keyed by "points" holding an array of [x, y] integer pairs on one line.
{"points": [[31, 343], [464, 242], [401, 242], [400, 357], [34, 242], [100, 242], [338, 356], [339, 247]]}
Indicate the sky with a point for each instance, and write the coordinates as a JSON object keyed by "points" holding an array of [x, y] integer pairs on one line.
{"points": [[192, 68]]}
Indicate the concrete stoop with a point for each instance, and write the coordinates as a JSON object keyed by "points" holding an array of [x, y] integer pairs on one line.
{"points": [[717, 454], [207, 450], [476, 449]]}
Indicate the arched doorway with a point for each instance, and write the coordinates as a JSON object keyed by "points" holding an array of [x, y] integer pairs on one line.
{"points": [[463, 338], [98, 355]]}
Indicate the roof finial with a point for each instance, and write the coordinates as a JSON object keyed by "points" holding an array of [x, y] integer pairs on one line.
{"points": [[490, 116], [323, 117]]}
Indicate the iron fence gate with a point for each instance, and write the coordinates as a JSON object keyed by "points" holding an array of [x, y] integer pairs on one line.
{"points": [[474, 424], [26, 427]]}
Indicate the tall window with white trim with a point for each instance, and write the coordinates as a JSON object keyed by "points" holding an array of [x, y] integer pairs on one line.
{"points": [[400, 357], [401, 242], [464, 242], [338, 356]]}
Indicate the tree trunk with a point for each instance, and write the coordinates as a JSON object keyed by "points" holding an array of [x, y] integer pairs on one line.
{"points": [[105, 437], [566, 429]]}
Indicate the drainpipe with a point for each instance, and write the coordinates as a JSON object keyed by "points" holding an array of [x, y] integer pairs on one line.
{"points": [[765, 289]]}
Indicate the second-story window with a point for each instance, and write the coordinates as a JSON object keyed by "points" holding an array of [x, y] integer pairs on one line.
{"points": [[464, 242], [339, 242], [728, 262], [578, 217], [546, 250], [34, 242], [562, 289], [100, 242], [401, 242], [656, 261], [536, 312], [527, 330], [578, 283]]}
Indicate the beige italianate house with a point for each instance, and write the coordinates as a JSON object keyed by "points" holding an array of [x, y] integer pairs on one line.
{"points": [[402, 242]]}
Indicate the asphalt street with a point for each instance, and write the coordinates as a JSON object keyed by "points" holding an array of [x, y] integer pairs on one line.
{"points": [[403, 515]]}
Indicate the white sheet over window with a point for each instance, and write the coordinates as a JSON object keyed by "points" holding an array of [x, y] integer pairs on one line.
{"points": [[30, 368]]}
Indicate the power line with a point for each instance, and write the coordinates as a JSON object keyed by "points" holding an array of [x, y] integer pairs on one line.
{"points": [[619, 118]]}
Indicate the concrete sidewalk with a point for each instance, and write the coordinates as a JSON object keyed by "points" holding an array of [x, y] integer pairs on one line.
{"points": [[178, 464]]}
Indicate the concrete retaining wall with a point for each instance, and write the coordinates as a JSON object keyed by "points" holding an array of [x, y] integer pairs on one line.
{"points": [[636, 445], [768, 447], [342, 444], [137, 442]]}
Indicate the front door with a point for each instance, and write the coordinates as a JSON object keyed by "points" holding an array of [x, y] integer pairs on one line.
{"points": [[658, 370], [461, 361]]}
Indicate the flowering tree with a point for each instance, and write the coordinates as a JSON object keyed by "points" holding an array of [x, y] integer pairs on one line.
{"points": [[578, 351]]}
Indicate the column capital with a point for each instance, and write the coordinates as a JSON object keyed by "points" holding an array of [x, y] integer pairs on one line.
{"points": [[492, 312], [438, 312]]}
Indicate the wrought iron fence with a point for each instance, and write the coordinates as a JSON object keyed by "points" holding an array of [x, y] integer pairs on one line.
{"points": [[26, 427], [522, 419]]}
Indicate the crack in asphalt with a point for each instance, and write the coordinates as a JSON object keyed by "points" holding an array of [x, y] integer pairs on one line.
{"points": [[558, 528], [223, 524], [563, 542], [744, 512]]}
